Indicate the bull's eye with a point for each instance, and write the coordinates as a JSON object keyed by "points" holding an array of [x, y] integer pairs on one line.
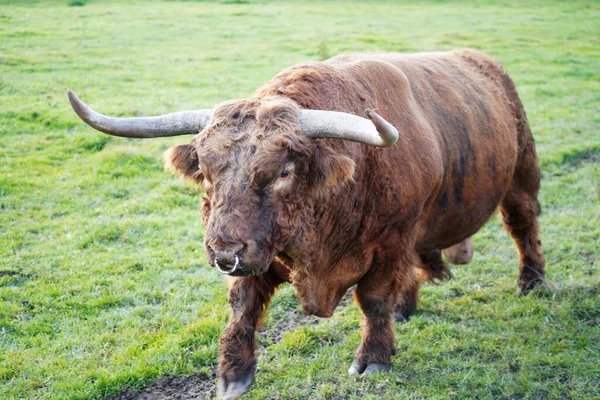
{"points": [[284, 174]]}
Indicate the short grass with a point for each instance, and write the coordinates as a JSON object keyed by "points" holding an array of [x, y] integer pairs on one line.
{"points": [[103, 281]]}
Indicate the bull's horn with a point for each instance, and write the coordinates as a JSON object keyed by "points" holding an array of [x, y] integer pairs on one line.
{"points": [[174, 124], [374, 131]]}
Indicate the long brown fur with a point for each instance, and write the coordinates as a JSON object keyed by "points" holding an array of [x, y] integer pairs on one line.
{"points": [[352, 214]]}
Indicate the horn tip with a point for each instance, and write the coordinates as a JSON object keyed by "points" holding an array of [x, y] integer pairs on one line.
{"points": [[77, 105], [72, 98]]}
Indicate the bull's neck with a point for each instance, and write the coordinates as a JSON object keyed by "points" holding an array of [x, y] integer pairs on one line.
{"points": [[331, 230], [327, 258]]}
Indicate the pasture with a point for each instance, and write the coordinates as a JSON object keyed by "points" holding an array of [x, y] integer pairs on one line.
{"points": [[103, 282]]}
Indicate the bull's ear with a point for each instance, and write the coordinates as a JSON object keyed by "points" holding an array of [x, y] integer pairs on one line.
{"points": [[183, 160], [331, 169]]}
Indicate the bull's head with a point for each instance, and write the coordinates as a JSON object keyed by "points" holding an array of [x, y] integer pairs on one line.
{"points": [[259, 165]]}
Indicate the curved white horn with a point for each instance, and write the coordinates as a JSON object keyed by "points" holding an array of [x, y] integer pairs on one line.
{"points": [[174, 124], [374, 131]]}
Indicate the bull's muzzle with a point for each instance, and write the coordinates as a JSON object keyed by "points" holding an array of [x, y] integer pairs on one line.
{"points": [[235, 258]]}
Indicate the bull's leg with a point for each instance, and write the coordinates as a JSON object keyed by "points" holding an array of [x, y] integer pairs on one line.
{"points": [[520, 210], [407, 303], [248, 296], [431, 268], [377, 294]]}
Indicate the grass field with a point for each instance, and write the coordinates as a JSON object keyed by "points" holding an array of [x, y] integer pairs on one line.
{"points": [[103, 281]]}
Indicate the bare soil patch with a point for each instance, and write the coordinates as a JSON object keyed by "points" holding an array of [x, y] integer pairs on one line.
{"points": [[197, 386]]}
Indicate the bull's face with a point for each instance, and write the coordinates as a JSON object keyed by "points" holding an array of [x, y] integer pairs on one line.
{"points": [[260, 177], [260, 165]]}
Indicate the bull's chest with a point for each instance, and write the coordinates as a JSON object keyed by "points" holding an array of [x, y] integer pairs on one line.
{"points": [[320, 288]]}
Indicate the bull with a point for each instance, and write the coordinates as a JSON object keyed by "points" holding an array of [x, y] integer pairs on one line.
{"points": [[301, 188]]}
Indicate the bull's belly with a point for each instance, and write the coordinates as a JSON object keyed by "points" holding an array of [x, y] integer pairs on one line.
{"points": [[447, 227]]}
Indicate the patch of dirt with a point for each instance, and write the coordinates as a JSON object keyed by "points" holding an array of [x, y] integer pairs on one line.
{"points": [[6, 272], [573, 163], [274, 334], [456, 293], [590, 259], [193, 387], [13, 278], [587, 157], [295, 318]]}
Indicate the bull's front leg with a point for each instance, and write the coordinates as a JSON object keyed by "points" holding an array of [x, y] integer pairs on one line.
{"points": [[248, 297], [377, 294]]}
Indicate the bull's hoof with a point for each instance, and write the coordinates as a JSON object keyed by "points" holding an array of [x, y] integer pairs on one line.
{"points": [[526, 286], [529, 279], [229, 390], [357, 367], [364, 369]]}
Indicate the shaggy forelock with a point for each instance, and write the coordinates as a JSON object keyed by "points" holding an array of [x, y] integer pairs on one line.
{"points": [[253, 118]]}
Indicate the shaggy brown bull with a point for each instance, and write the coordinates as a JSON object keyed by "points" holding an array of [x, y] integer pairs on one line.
{"points": [[325, 214]]}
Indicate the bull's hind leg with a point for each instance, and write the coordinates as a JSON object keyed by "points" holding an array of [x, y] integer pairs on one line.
{"points": [[520, 210], [407, 301], [431, 268], [248, 296]]}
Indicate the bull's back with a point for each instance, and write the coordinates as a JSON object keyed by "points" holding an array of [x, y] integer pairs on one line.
{"points": [[466, 121]]}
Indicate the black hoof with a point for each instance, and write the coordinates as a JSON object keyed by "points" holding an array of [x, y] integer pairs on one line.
{"points": [[229, 390]]}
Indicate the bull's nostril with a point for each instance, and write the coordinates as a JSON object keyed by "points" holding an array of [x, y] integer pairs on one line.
{"points": [[219, 245], [228, 271]]}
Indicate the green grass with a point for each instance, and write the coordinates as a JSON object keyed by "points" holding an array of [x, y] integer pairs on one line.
{"points": [[103, 281]]}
